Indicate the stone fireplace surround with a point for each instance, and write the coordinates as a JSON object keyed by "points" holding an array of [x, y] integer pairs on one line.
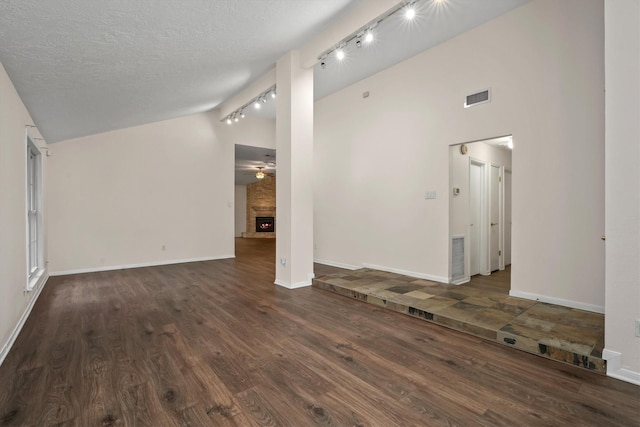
{"points": [[261, 201]]}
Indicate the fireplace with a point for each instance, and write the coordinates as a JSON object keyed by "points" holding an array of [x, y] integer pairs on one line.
{"points": [[265, 224]]}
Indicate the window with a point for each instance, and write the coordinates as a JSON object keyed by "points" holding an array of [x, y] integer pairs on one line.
{"points": [[35, 264]]}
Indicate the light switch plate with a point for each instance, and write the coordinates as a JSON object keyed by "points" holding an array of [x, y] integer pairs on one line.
{"points": [[430, 195]]}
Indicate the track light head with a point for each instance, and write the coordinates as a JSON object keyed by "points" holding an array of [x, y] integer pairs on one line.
{"points": [[368, 37], [229, 120], [256, 105], [323, 65], [340, 54], [264, 100], [358, 43], [273, 95], [242, 116], [410, 12]]}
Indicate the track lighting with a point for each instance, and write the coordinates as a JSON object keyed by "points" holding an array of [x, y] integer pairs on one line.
{"points": [[257, 102], [364, 35]]}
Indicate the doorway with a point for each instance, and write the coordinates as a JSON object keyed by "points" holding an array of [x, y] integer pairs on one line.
{"points": [[480, 206]]}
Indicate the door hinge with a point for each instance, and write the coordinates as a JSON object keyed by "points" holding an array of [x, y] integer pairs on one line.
{"points": [[499, 179]]}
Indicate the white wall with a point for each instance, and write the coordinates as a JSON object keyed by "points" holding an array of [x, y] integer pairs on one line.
{"points": [[253, 131], [14, 302], [240, 210], [622, 64], [115, 199], [375, 157]]}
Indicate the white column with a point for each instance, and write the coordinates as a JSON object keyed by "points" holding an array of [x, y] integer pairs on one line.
{"points": [[622, 189], [294, 184]]}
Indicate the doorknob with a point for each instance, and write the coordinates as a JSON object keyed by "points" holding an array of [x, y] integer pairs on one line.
{"points": [[494, 223]]}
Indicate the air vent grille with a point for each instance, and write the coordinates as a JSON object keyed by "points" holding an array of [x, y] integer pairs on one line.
{"points": [[457, 258], [477, 98]]}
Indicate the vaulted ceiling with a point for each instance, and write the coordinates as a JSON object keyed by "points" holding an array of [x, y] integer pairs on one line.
{"points": [[84, 67]]}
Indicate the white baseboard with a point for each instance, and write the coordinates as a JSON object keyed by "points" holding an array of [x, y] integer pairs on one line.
{"points": [[25, 315], [144, 264], [614, 370], [558, 301], [461, 281], [293, 285], [408, 273], [336, 264]]}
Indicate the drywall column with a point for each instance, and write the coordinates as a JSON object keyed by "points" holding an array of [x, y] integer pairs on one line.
{"points": [[622, 188], [294, 186]]}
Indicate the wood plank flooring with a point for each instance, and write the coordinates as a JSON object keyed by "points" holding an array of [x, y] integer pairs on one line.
{"points": [[216, 343]]}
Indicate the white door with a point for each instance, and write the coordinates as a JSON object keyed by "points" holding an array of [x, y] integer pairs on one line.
{"points": [[507, 217], [495, 218], [476, 190]]}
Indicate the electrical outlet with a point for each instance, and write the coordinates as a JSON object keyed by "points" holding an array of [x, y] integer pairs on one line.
{"points": [[637, 328], [429, 195]]}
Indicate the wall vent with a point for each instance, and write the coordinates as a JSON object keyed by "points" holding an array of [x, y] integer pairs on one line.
{"points": [[457, 258], [477, 98]]}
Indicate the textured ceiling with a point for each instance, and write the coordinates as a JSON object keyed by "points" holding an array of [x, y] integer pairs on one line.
{"points": [[83, 67]]}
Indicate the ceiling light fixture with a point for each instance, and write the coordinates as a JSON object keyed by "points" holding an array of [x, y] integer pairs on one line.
{"points": [[410, 13], [365, 33], [368, 38], [260, 174], [257, 102]]}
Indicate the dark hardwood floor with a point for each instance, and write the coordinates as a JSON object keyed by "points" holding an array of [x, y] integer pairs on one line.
{"points": [[216, 343]]}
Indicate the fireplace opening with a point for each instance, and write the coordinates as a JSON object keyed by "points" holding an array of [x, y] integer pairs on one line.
{"points": [[265, 224]]}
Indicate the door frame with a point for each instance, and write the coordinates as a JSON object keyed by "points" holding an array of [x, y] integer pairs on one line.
{"points": [[501, 215], [483, 226]]}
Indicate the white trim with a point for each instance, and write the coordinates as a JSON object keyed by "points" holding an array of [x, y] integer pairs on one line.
{"points": [[139, 265], [33, 278], [293, 285], [614, 370], [16, 331], [558, 301], [336, 264], [460, 281], [408, 273]]}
